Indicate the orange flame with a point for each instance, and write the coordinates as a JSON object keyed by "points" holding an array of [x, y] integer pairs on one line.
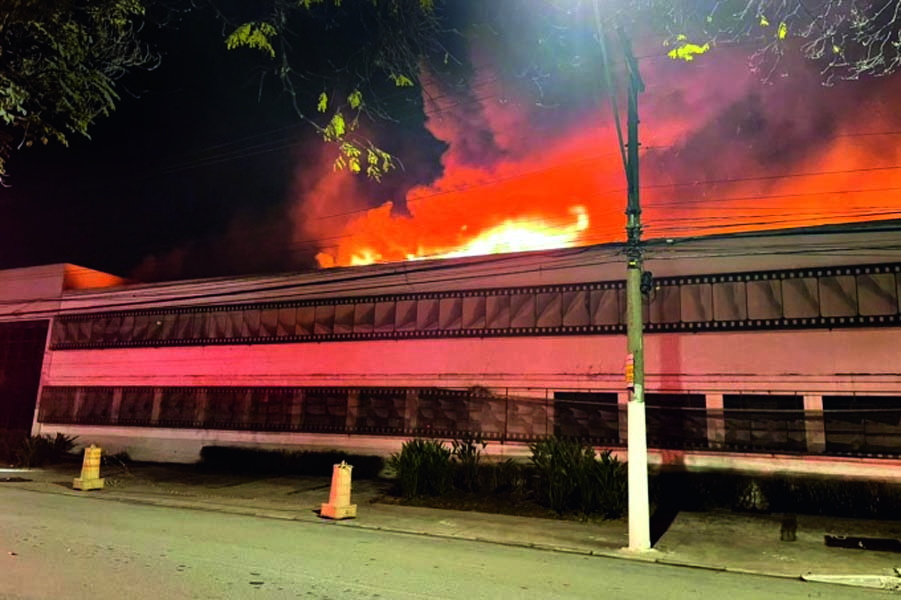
{"points": [[525, 234], [519, 235], [716, 159]]}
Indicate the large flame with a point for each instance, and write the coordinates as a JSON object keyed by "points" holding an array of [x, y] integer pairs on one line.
{"points": [[525, 234], [519, 235], [715, 158]]}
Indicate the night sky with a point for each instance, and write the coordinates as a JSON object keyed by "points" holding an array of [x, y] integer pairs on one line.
{"points": [[193, 164], [194, 175]]}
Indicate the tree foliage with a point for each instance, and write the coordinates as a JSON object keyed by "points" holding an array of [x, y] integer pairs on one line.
{"points": [[59, 61], [334, 89], [555, 48], [846, 39], [343, 61]]}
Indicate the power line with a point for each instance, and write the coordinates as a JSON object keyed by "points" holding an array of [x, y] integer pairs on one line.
{"points": [[644, 187], [552, 224], [480, 267]]}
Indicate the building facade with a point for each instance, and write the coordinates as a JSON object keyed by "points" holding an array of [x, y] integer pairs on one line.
{"points": [[767, 352]]}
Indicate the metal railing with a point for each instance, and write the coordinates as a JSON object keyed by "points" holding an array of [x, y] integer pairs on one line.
{"points": [[511, 416]]}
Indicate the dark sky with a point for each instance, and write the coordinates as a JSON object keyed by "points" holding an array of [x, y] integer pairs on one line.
{"points": [[195, 175], [192, 160]]}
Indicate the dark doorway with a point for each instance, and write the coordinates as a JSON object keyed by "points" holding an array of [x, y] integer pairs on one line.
{"points": [[21, 355]]}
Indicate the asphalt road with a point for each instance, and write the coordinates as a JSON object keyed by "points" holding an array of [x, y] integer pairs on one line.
{"points": [[61, 547]]}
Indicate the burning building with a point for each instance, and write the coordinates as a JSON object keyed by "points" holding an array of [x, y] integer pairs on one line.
{"points": [[762, 350]]}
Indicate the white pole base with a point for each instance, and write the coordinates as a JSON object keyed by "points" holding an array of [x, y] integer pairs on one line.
{"points": [[639, 510]]}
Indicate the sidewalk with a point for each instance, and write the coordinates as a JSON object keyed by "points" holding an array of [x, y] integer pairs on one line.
{"points": [[721, 541]]}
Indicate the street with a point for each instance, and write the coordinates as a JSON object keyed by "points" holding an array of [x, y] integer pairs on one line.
{"points": [[61, 547]]}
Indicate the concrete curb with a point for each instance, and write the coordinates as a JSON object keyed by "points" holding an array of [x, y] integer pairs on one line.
{"points": [[876, 582], [312, 518]]}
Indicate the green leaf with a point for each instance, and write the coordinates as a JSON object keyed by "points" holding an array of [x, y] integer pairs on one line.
{"points": [[336, 129], [253, 35], [349, 150], [688, 51], [322, 106], [401, 80], [338, 125], [355, 99]]}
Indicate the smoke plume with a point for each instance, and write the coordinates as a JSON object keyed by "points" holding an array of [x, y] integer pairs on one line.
{"points": [[722, 151]]}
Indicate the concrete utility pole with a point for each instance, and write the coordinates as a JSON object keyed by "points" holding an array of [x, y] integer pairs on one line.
{"points": [[639, 512]]}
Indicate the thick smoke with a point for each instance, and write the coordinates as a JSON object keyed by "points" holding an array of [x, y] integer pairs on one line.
{"points": [[251, 243], [721, 151], [745, 146]]}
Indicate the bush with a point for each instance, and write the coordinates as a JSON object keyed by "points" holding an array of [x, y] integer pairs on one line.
{"points": [[39, 450], [557, 463], [467, 452], [812, 495], [423, 467], [571, 478], [603, 486], [313, 463], [63, 445], [119, 459], [512, 477], [506, 477], [834, 497]]}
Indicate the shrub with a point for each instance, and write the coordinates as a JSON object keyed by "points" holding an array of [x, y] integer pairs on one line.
{"points": [[62, 445], [812, 495], [119, 459], [40, 450], [508, 477], [571, 478], [511, 477], [423, 467], [603, 486], [834, 497], [557, 464], [467, 452]]}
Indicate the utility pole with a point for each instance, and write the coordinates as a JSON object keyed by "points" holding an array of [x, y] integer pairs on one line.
{"points": [[639, 511]]}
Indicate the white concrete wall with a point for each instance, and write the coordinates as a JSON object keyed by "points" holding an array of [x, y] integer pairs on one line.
{"points": [[184, 445]]}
